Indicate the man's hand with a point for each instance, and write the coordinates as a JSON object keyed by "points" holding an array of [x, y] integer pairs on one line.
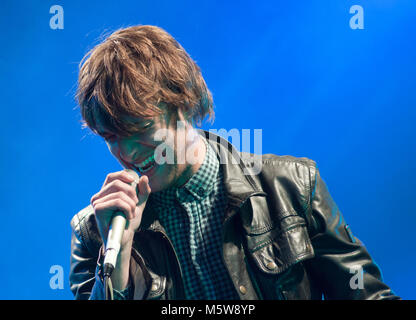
{"points": [[117, 194]]}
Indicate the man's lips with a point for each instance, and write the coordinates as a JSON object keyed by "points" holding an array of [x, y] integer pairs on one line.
{"points": [[137, 162], [133, 164], [157, 156]]}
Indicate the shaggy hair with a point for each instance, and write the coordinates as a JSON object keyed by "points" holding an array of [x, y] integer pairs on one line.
{"points": [[134, 72]]}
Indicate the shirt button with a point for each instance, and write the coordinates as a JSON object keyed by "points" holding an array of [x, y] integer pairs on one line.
{"points": [[271, 265], [243, 289], [200, 192]]}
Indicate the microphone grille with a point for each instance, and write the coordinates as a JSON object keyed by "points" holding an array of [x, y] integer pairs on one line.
{"points": [[134, 175]]}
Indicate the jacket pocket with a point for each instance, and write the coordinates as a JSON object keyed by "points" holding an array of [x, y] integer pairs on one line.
{"points": [[283, 246], [275, 256]]}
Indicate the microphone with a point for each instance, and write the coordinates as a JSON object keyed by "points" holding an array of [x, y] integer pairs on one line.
{"points": [[115, 233]]}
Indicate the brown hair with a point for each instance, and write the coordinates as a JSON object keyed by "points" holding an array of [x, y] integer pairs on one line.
{"points": [[132, 72]]}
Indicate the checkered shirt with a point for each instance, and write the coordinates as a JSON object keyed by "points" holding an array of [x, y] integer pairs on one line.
{"points": [[192, 217]]}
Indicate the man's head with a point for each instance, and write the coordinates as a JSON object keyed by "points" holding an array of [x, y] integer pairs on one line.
{"points": [[139, 80]]}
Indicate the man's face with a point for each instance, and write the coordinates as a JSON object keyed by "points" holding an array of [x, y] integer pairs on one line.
{"points": [[158, 150]]}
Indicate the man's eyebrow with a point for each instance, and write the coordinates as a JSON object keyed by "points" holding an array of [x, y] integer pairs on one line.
{"points": [[140, 122]]}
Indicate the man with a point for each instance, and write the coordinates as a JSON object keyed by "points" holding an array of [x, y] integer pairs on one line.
{"points": [[204, 222]]}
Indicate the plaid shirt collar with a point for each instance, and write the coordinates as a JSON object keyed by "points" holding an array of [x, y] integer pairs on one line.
{"points": [[197, 187]]}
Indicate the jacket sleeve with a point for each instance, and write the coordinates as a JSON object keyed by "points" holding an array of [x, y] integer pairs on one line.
{"points": [[342, 266], [85, 278], [84, 271]]}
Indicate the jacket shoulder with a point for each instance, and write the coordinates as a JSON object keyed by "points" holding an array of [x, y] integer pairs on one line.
{"points": [[275, 165], [273, 159], [80, 216], [287, 180], [84, 226]]}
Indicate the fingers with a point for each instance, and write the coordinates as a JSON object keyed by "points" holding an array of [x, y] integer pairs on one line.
{"points": [[115, 204], [144, 189], [119, 185], [122, 175], [117, 200], [117, 193], [116, 186]]}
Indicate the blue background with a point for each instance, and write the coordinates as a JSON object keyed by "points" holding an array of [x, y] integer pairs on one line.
{"points": [[317, 88]]}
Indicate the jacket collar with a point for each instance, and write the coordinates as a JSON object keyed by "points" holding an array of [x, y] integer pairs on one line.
{"points": [[238, 185]]}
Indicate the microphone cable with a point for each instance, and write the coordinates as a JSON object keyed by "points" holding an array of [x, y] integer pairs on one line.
{"points": [[108, 285]]}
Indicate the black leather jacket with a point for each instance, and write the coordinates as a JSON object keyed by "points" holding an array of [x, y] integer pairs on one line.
{"points": [[283, 238]]}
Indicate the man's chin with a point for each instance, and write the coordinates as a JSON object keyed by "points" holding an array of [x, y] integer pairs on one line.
{"points": [[158, 180], [156, 185]]}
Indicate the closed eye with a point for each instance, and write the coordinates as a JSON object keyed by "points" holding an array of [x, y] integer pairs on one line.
{"points": [[148, 124], [145, 126]]}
